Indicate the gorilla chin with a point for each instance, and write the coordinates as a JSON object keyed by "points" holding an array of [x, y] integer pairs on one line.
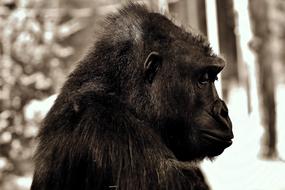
{"points": [[216, 142], [216, 145], [215, 132]]}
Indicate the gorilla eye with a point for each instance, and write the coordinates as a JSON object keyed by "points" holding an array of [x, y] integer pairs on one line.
{"points": [[207, 78], [204, 79]]}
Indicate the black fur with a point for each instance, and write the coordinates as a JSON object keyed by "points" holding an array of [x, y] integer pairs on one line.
{"points": [[130, 116]]}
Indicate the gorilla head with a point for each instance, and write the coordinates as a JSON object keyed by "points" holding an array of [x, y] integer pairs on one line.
{"points": [[166, 76]]}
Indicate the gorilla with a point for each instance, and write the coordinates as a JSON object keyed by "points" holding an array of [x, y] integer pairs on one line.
{"points": [[138, 113]]}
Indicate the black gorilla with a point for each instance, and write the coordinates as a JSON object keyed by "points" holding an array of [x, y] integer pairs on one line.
{"points": [[138, 112]]}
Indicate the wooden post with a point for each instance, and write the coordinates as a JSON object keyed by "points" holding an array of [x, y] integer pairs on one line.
{"points": [[262, 44], [163, 6], [213, 35], [227, 43], [202, 21]]}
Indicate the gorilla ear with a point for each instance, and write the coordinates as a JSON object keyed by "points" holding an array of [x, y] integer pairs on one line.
{"points": [[151, 66]]}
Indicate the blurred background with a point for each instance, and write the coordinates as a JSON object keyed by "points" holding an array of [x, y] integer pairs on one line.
{"points": [[41, 41]]}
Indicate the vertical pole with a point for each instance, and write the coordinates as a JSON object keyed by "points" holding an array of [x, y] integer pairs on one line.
{"points": [[260, 14], [227, 43], [202, 20], [163, 6], [213, 35], [248, 70]]}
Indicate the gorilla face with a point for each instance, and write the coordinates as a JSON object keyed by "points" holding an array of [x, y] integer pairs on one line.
{"points": [[192, 119]]}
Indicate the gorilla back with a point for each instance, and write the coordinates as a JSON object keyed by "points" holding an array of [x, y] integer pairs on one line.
{"points": [[138, 112]]}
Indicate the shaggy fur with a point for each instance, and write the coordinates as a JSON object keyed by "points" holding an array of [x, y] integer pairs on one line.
{"points": [[130, 119]]}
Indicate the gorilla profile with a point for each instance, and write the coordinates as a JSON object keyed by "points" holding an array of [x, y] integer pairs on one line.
{"points": [[138, 112]]}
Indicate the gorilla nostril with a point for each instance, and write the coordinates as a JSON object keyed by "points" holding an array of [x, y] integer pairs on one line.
{"points": [[224, 113]]}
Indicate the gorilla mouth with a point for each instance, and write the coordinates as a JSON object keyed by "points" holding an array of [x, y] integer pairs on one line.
{"points": [[224, 140]]}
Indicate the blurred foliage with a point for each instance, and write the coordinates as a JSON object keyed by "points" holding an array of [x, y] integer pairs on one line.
{"points": [[37, 43]]}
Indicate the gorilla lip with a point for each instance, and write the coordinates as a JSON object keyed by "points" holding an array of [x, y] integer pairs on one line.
{"points": [[225, 140]]}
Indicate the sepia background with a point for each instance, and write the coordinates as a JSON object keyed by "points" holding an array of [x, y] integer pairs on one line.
{"points": [[41, 42]]}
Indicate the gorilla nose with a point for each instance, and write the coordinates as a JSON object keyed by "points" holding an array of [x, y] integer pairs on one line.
{"points": [[221, 113], [220, 109]]}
